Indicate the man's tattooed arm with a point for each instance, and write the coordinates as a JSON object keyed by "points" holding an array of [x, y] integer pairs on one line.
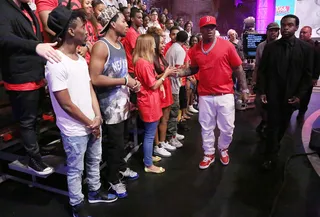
{"points": [[188, 71], [241, 76]]}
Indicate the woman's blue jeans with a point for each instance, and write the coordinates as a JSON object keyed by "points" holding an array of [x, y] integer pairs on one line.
{"points": [[149, 134]]}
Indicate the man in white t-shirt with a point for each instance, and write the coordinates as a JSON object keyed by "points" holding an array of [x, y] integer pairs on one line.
{"points": [[175, 56], [76, 108]]}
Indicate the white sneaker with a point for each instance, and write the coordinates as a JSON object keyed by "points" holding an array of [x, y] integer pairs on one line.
{"points": [[130, 174], [179, 136], [193, 110], [160, 151], [119, 189], [167, 146], [175, 142]]}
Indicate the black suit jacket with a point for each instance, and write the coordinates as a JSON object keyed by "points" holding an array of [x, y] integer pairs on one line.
{"points": [[316, 71], [271, 80], [18, 59]]}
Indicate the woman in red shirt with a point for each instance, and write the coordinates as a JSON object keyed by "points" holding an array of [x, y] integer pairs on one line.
{"points": [[98, 6], [149, 96], [162, 147], [92, 27], [191, 80]]}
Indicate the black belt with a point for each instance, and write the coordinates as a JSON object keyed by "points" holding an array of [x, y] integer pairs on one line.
{"points": [[218, 94]]}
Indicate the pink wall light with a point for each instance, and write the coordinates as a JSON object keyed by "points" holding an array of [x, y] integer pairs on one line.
{"points": [[265, 14]]}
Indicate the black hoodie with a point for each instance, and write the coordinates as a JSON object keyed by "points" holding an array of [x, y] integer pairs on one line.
{"points": [[19, 61]]}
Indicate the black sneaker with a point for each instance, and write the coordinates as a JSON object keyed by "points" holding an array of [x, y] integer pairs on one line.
{"points": [[80, 210], [101, 197], [39, 167]]}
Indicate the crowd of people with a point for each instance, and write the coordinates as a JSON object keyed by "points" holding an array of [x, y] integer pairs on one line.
{"points": [[102, 59]]}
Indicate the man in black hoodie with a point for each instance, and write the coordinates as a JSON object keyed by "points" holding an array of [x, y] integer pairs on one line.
{"points": [[22, 59]]}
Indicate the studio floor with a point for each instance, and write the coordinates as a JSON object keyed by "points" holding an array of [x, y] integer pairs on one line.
{"points": [[240, 189]]}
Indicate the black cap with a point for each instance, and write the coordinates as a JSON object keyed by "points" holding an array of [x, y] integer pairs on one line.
{"points": [[273, 25], [58, 19], [182, 36]]}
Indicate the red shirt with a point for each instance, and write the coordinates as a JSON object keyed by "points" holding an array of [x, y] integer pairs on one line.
{"points": [[189, 53], [186, 60], [24, 87], [49, 5], [149, 102], [166, 100], [215, 68], [166, 48], [129, 43], [25, 12], [92, 38]]}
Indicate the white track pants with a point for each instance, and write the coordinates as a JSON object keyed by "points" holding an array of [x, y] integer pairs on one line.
{"points": [[216, 110]]}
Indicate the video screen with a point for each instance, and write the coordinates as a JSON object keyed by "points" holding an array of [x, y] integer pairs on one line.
{"points": [[251, 42]]}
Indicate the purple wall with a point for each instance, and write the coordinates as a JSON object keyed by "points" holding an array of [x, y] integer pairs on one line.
{"points": [[265, 14], [228, 15]]}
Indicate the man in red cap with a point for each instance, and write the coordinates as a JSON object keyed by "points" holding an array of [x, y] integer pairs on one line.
{"points": [[215, 59]]}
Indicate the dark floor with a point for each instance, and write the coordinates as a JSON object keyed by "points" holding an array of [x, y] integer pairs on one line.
{"points": [[238, 190]]}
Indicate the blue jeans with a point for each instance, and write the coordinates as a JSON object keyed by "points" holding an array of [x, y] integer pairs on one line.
{"points": [[149, 134], [77, 148]]}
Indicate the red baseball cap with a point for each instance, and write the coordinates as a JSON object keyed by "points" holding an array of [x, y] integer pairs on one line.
{"points": [[207, 20]]}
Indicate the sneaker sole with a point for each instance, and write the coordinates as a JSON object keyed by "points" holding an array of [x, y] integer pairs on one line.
{"points": [[194, 112], [225, 164], [102, 201], [205, 167], [131, 178], [41, 173], [123, 195], [157, 154], [170, 149]]}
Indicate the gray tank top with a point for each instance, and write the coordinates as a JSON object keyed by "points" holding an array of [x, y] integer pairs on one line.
{"points": [[114, 101]]}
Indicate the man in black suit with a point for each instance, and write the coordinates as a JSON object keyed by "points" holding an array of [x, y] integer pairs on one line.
{"points": [[305, 35], [284, 77], [22, 59]]}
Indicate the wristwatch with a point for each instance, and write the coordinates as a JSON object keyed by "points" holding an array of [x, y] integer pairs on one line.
{"points": [[246, 91]]}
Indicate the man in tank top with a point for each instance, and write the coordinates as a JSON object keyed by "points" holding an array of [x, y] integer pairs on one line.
{"points": [[109, 75]]}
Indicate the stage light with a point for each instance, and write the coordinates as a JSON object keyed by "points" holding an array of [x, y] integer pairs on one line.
{"points": [[238, 3]]}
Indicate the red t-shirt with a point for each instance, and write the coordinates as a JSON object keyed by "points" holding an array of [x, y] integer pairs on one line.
{"points": [[186, 60], [168, 99], [215, 68], [49, 5], [24, 87], [149, 102], [129, 43], [166, 48], [25, 12], [92, 37]]}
